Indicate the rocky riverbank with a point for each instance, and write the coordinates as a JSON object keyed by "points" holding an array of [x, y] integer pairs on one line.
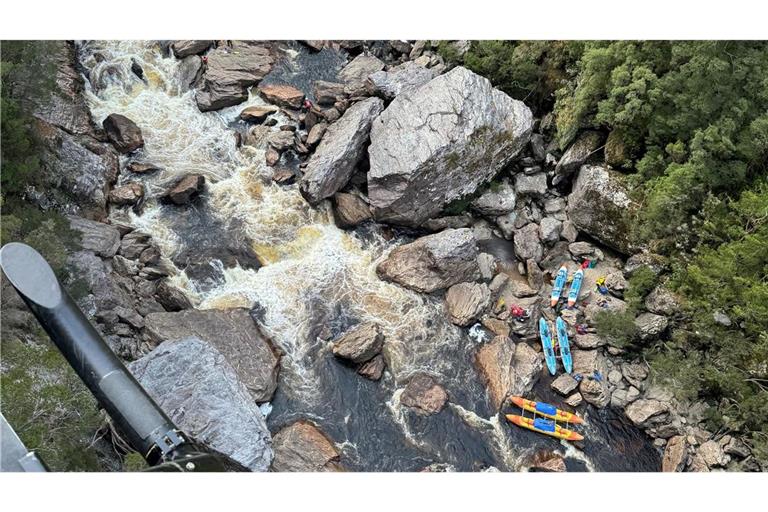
{"points": [[483, 204]]}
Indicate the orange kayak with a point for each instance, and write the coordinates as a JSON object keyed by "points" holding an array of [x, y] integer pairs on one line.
{"points": [[546, 427], [546, 410]]}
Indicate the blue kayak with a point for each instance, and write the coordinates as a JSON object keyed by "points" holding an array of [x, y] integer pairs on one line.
{"points": [[557, 289], [546, 343], [573, 294], [565, 345]]}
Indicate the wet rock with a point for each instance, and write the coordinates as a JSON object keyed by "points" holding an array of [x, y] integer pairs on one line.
{"points": [[123, 133], [578, 153], [186, 189], [642, 411], [495, 362], [328, 93], [466, 302], [373, 369], [549, 462], [282, 94], [675, 455], [499, 200], [171, 297], [360, 343], [549, 230], [142, 168], [350, 210], [527, 364], [662, 302], [272, 156], [127, 194], [149, 256], [257, 113], [439, 142], [280, 140], [358, 70], [102, 239], [433, 262], [230, 72], [189, 72], [623, 397], [564, 384], [600, 206], [183, 49], [202, 393], [234, 334], [302, 447], [316, 134], [527, 243], [722, 319], [594, 392], [334, 161], [388, 84], [424, 395], [531, 184], [650, 326]]}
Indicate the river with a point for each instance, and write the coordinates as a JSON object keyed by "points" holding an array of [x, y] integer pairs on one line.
{"points": [[305, 277]]}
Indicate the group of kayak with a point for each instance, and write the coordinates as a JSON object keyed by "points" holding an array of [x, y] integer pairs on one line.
{"points": [[549, 415]]}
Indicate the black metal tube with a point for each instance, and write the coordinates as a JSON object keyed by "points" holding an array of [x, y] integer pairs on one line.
{"points": [[146, 426]]}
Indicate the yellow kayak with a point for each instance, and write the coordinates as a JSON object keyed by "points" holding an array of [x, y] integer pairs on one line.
{"points": [[546, 410], [547, 427]]}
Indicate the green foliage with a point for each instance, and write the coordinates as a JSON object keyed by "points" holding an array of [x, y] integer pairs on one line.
{"points": [[618, 328], [134, 462], [642, 282]]}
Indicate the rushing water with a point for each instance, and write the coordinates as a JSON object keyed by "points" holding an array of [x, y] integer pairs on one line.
{"points": [[248, 242]]}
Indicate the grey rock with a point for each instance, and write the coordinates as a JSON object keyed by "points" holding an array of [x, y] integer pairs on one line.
{"points": [[496, 201], [594, 392], [654, 262], [531, 184], [189, 72], [623, 397], [616, 283], [183, 49], [466, 302], [611, 304], [527, 364], [104, 286], [574, 400], [722, 319], [328, 93], [334, 161], [642, 411], [409, 75], [133, 244], [201, 392], [600, 206], [569, 231], [359, 344], [662, 302], [549, 230], [229, 73], [350, 210], [302, 447], [538, 147], [451, 221], [634, 373], [578, 153], [588, 341], [360, 68], [280, 140], [439, 142], [433, 262], [171, 297], [123, 133], [102, 239], [582, 249], [488, 265], [424, 395], [554, 205], [507, 224], [650, 325], [527, 243], [234, 334], [564, 384], [124, 266]]}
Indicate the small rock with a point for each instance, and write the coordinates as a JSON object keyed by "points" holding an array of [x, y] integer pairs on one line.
{"points": [[466, 302], [360, 343], [534, 274], [360, 68], [549, 230], [531, 185], [588, 341], [388, 84], [124, 266], [623, 397], [127, 194], [569, 231], [722, 319], [142, 168], [257, 113], [496, 326], [328, 93], [123, 133], [280, 140], [282, 94], [616, 283], [594, 392], [574, 400], [183, 49], [283, 176], [272, 157], [614, 376], [373, 369], [712, 454], [424, 395], [316, 133], [549, 462], [564, 384], [487, 264], [302, 447], [186, 189], [102, 239]]}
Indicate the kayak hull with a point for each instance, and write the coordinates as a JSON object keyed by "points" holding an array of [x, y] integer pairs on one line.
{"points": [[565, 344], [558, 432], [557, 289], [546, 343], [573, 293], [559, 415]]}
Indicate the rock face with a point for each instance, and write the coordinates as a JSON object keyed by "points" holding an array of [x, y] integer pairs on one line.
{"points": [[102, 239], [360, 343], [123, 133], [350, 210], [424, 395], [234, 334], [388, 84], [599, 205], [201, 392], [527, 243], [230, 71], [433, 262], [439, 142], [495, 362], [675, 455], [301, 447], [466, 302], [282, 94], [341, 148], [183, 49]]}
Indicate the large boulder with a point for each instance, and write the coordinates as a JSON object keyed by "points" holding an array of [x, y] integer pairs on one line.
{"points": [[200, 390], [360, 343], [388, 84], [527, 365], [341, 148], [600, 206], [495, 363], [234, 334], [358, 70], [527, 243], [578, 153], [186, 48], [496, 201], [439, 142], [424, 395], [230, 72], [466, 302], [650, 325], [675, 455], [433, 262], [123, 133], [662, 301], [282, 94], [102, 239], [302, 447], [642, 411]]}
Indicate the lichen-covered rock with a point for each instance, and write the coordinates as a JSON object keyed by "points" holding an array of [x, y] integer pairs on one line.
{"points": [[466, 302], [360, 343], [662, 302], [650, 325], [496, 201], [234, 334], [527, 243], [199, 389], [302, 447], [600, 206], [531, 184], [642, 411], [388, 84], [341, 148], [433, 262], [439, 142], [424, 395]]}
